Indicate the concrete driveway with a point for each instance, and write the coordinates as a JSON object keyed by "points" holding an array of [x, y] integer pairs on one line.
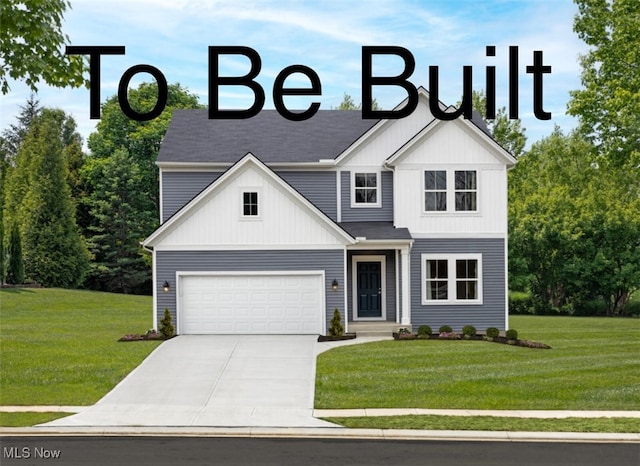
{"points": [[215, 380]]}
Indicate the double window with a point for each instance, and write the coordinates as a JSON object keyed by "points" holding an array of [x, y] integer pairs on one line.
{"points": [[452, 279], [463, 198], [366, 189]]}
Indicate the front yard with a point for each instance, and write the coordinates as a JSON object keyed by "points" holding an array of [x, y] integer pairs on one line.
{"points": [[60, 347], [593, 365]]}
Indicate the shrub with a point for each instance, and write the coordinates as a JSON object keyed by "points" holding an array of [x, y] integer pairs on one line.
{"points": [[492, 333], [445, 329], [520, 303], [512, 334], [424, 330], [166, 327], [632, 308], [336, 329], [469, 331]]}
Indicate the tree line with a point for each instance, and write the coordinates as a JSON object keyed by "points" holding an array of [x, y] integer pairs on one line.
{"points": [[75, 219]]}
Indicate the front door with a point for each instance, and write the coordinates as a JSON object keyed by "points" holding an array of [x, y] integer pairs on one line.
{"points": [[369, 290]]}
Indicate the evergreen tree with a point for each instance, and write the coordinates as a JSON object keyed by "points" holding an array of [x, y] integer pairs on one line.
{"points": [[54, 251], [120, 220], [15, 269]]}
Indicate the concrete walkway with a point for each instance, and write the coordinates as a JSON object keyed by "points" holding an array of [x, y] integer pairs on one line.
{"points": [[214, 380], [381, 412]]}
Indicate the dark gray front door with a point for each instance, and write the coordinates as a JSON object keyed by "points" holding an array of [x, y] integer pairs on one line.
{"points": [[369, 289]]}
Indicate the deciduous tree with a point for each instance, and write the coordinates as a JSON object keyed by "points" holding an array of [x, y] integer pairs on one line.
{"points": [[608, 105], [31, 41]]}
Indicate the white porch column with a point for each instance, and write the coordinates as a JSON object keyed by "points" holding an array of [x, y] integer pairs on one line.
{"points": [[406, 295]]}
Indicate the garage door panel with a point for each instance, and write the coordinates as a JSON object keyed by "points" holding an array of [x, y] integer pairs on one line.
{"points": [[251, 304]]}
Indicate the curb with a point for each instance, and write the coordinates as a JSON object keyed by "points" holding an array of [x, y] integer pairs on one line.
{"points": [[324, 433]]}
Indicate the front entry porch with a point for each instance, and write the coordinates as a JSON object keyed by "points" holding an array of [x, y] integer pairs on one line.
{"points": [[377, 290]]}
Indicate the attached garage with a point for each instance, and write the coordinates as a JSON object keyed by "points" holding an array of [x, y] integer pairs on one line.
{"points": [[251, 303]]}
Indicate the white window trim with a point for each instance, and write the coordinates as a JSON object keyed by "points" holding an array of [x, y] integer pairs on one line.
{"points": [[451, 192], [251, 189], [476, 191], [451, 279], [425, 191], [378, 204]]}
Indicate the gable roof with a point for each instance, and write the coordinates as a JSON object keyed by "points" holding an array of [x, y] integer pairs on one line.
{"points": [[248, 160], [476, 127], [193, 138]]}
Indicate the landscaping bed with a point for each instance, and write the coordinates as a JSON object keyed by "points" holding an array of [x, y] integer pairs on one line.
{"points": [[458, 336]]}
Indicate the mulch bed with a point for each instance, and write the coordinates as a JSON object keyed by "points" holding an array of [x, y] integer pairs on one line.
{"points": [[150, 336], [458, 336], [346, 336]]}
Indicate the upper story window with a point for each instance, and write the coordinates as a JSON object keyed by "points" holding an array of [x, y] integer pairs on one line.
{"points": [[450, 191], [366, 189], [249, 204], [466, 190], [451, 279], [435, 191]]}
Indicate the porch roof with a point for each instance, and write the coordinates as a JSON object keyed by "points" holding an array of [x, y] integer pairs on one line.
{"points": [[376, 230]]}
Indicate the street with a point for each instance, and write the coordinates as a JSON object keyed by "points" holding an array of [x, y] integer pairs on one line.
{"points": [[160, 451]]}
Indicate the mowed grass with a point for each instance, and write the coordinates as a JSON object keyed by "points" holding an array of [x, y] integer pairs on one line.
{"points": [[60, 347], [594, 364], [507, 424]]}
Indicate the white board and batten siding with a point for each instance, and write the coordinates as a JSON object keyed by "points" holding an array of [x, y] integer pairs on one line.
{"points": [[451, 147], [282, 220], [387, 140], [251, 303]]}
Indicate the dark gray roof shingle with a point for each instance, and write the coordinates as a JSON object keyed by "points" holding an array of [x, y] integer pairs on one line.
{"points": [[375, 230], [193, 137]]}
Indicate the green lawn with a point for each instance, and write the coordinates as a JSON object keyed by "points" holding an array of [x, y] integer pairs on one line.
{"points": [[59, 347], [508, 424], [594, 364], [28, 419]]}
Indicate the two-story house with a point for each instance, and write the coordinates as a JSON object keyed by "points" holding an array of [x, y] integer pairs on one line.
{"points": [[268, 225]]}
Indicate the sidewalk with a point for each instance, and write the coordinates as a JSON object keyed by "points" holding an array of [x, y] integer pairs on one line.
{"points": [[538, 414], [341, 432], [372, 412]]}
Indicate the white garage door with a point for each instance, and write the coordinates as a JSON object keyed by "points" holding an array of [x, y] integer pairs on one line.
{"points": [[251, 304]]}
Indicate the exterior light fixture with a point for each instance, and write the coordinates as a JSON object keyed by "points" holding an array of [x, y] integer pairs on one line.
{"points": [[334, 285], [166, 287]]}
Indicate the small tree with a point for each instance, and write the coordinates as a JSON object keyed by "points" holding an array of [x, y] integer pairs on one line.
{"points": [[15, 270], [336, 329], [166, 327]]}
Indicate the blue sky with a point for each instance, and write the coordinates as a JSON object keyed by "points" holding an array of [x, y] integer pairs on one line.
{"points": [[327, 36]]}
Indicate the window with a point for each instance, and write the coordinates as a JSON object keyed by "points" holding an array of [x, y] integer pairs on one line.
{"points": [[451, 279], [466, 190], [250, 204], [437, 279], [466, 279], [365, 189], [435, 191]]}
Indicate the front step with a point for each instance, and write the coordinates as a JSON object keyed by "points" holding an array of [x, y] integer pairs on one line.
{"points": [[375, 329]]}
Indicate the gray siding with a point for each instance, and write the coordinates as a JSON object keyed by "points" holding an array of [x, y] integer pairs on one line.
{"points": [[390, 274], [381, 214], [492, 311], [178, 188], [170, 262], [317, 187]]}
